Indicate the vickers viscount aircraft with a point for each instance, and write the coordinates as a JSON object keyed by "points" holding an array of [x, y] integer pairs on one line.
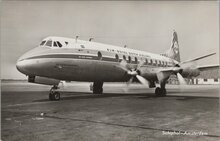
{"points": [[59, 59]]}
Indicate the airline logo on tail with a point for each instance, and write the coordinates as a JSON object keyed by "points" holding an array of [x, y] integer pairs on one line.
{"points": [[173, 52]]}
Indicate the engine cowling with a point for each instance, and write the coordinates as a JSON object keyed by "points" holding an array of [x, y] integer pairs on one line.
{"points": [[43, 80], [190, 72]]}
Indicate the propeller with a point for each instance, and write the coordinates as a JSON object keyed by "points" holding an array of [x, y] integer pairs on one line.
{"points": [[190, 66], [134, 73], [181, 67]]}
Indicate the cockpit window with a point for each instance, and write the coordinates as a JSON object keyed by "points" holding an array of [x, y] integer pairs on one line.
{"points": [[49, 43], [54, 44], [42, 43], [59, 44]]}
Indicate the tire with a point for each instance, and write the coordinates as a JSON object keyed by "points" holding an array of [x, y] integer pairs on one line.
{"points": [[97, 87], [157, 91], [163, 92], [54, 96], [97, 91], [160, 92]]}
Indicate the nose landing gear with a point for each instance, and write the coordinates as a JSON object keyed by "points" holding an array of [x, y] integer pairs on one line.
{"points": [[54, 95]]}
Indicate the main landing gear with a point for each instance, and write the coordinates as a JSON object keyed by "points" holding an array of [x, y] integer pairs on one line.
{"points": [[161, 91], [54, 95], [97, 87]]}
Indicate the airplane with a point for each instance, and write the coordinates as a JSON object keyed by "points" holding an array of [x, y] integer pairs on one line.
{"points": [[59, 59]]}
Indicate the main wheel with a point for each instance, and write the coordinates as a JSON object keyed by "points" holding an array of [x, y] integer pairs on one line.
{"points": [[97, 87], [97, 91], [160, 91], [163, 92], [157, 91]]}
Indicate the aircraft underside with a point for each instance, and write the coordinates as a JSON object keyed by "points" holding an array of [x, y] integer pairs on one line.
{"points": [[85, 70], [97, 72]]}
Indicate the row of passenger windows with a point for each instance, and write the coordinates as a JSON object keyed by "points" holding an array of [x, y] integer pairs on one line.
{"points": [[51, 43], [147, 61]]}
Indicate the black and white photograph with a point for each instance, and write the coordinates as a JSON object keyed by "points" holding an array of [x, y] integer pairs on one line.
{"points": [[109, 70]]}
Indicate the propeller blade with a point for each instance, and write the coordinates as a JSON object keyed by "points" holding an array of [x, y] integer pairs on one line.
{"points": [[181, 79], [123, 65], [142, 80], [140, 65], [62, 84], [130, 81]]}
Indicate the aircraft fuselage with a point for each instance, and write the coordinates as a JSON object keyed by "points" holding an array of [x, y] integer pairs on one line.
{"points": [[89, 61]]}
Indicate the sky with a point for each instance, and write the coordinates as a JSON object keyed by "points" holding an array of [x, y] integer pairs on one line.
{"points": [[142, 25]]}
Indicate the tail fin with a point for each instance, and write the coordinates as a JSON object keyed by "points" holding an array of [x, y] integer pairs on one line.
{"points": [[173, 52]]}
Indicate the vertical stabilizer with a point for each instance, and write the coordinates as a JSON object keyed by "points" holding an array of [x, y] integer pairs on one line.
{"points": [[173, 52]]}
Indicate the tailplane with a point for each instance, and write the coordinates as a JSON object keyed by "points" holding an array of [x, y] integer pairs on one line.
{"points": [[173, 52]]}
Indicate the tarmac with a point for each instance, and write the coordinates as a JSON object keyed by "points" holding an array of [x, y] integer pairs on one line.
{"points": [[121, 113]]}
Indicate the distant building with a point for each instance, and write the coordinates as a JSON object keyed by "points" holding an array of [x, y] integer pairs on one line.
{"points": [[208, 75]]}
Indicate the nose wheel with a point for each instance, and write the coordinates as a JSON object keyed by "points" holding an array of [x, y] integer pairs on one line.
{"points": [[54, 95]]}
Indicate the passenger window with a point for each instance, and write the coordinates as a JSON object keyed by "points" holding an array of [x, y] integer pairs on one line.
{"points": [[99, 55], [54, 44], [124, 57], [129, 59], [59, 44], [49, 43], [42, 43], [116, 57], [136, 60]]}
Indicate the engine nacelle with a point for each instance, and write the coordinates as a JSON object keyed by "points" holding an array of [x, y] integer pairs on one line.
{"points": [[189, 72], [43, 80]]}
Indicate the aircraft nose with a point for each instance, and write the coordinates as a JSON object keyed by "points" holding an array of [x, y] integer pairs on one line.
{"points": [[24, 65], [20, 65]]}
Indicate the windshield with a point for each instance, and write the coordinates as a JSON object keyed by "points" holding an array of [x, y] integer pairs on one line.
{"points": [[42, 43], [51, 43]]}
